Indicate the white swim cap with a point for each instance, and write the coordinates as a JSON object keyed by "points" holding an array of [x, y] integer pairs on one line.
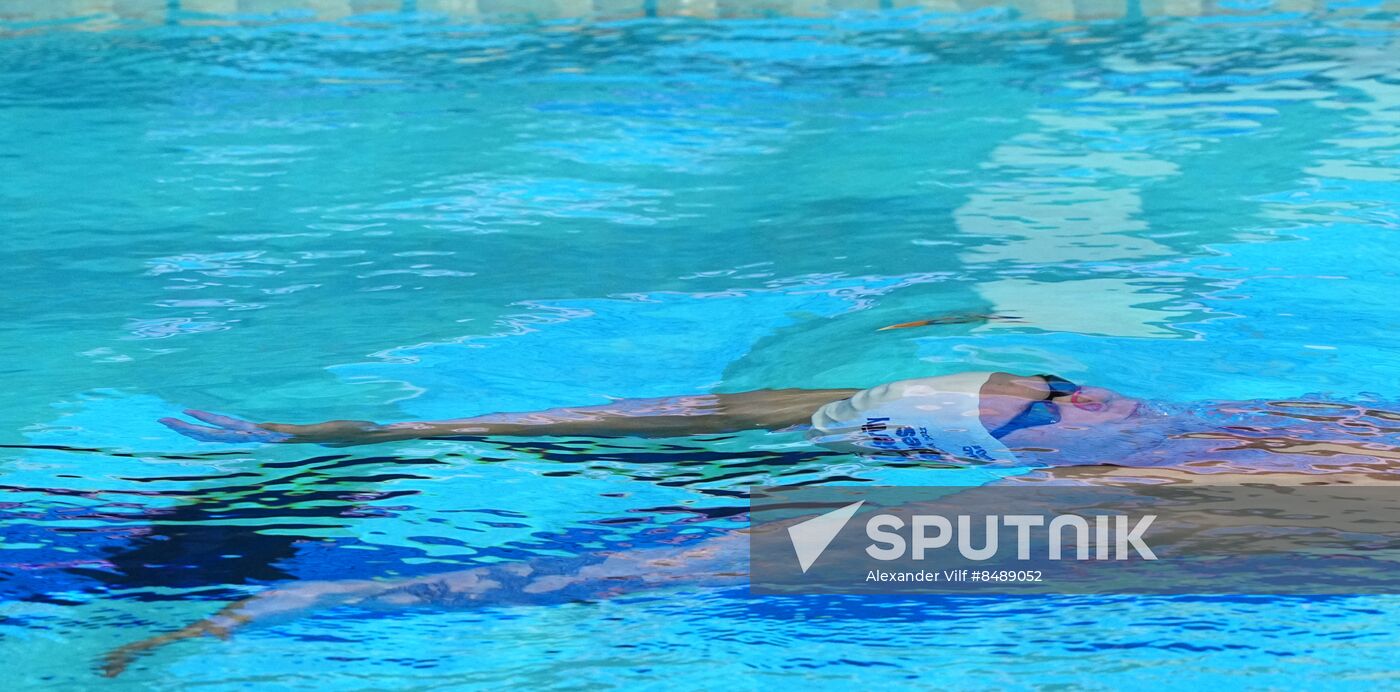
{"points": [[922, 415]]}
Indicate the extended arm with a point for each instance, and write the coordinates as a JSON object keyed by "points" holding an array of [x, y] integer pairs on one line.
{"points": [[768, 409]]}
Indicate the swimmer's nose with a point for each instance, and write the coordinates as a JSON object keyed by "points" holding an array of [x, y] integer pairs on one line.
{"points": [[1090, 401]]}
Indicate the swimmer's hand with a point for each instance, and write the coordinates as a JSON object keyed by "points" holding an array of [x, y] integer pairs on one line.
{"points": [[229, 429]]}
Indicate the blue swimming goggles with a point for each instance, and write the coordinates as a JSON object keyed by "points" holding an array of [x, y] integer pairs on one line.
{"points": [[1040, 412]]}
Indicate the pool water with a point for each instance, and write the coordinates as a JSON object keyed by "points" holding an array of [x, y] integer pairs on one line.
{"points": [[298, 215]]}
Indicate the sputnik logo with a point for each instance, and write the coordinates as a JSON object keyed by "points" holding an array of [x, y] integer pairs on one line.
{"points": [[810, 538]]}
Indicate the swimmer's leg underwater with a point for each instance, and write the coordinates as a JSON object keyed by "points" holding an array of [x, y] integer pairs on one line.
{"points": [[721, 560]]}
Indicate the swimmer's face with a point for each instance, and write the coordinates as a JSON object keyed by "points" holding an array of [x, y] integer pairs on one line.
{"points": [[1046, 403], [1091, 406], [1072, 424]]}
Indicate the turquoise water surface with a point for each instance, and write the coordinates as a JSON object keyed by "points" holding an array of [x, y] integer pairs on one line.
{"points": [[308, 211]]}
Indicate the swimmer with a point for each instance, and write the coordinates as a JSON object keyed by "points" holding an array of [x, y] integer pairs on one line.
{"points": [[968, 418], [1081, 434], [973, 417]]}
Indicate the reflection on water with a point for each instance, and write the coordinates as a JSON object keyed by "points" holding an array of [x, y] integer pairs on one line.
{"points": [[222, 11]]}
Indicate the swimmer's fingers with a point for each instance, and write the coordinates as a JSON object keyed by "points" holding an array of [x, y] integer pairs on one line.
{"points": [[205, 433], [257, 432], [228, 422], [229, 429], [198, 432]]}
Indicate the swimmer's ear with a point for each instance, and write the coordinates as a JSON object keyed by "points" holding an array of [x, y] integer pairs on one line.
{"points": [[952, 319]]}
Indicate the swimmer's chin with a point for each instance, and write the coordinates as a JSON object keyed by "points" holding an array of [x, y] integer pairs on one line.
{"points": [[1127, 409]]}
